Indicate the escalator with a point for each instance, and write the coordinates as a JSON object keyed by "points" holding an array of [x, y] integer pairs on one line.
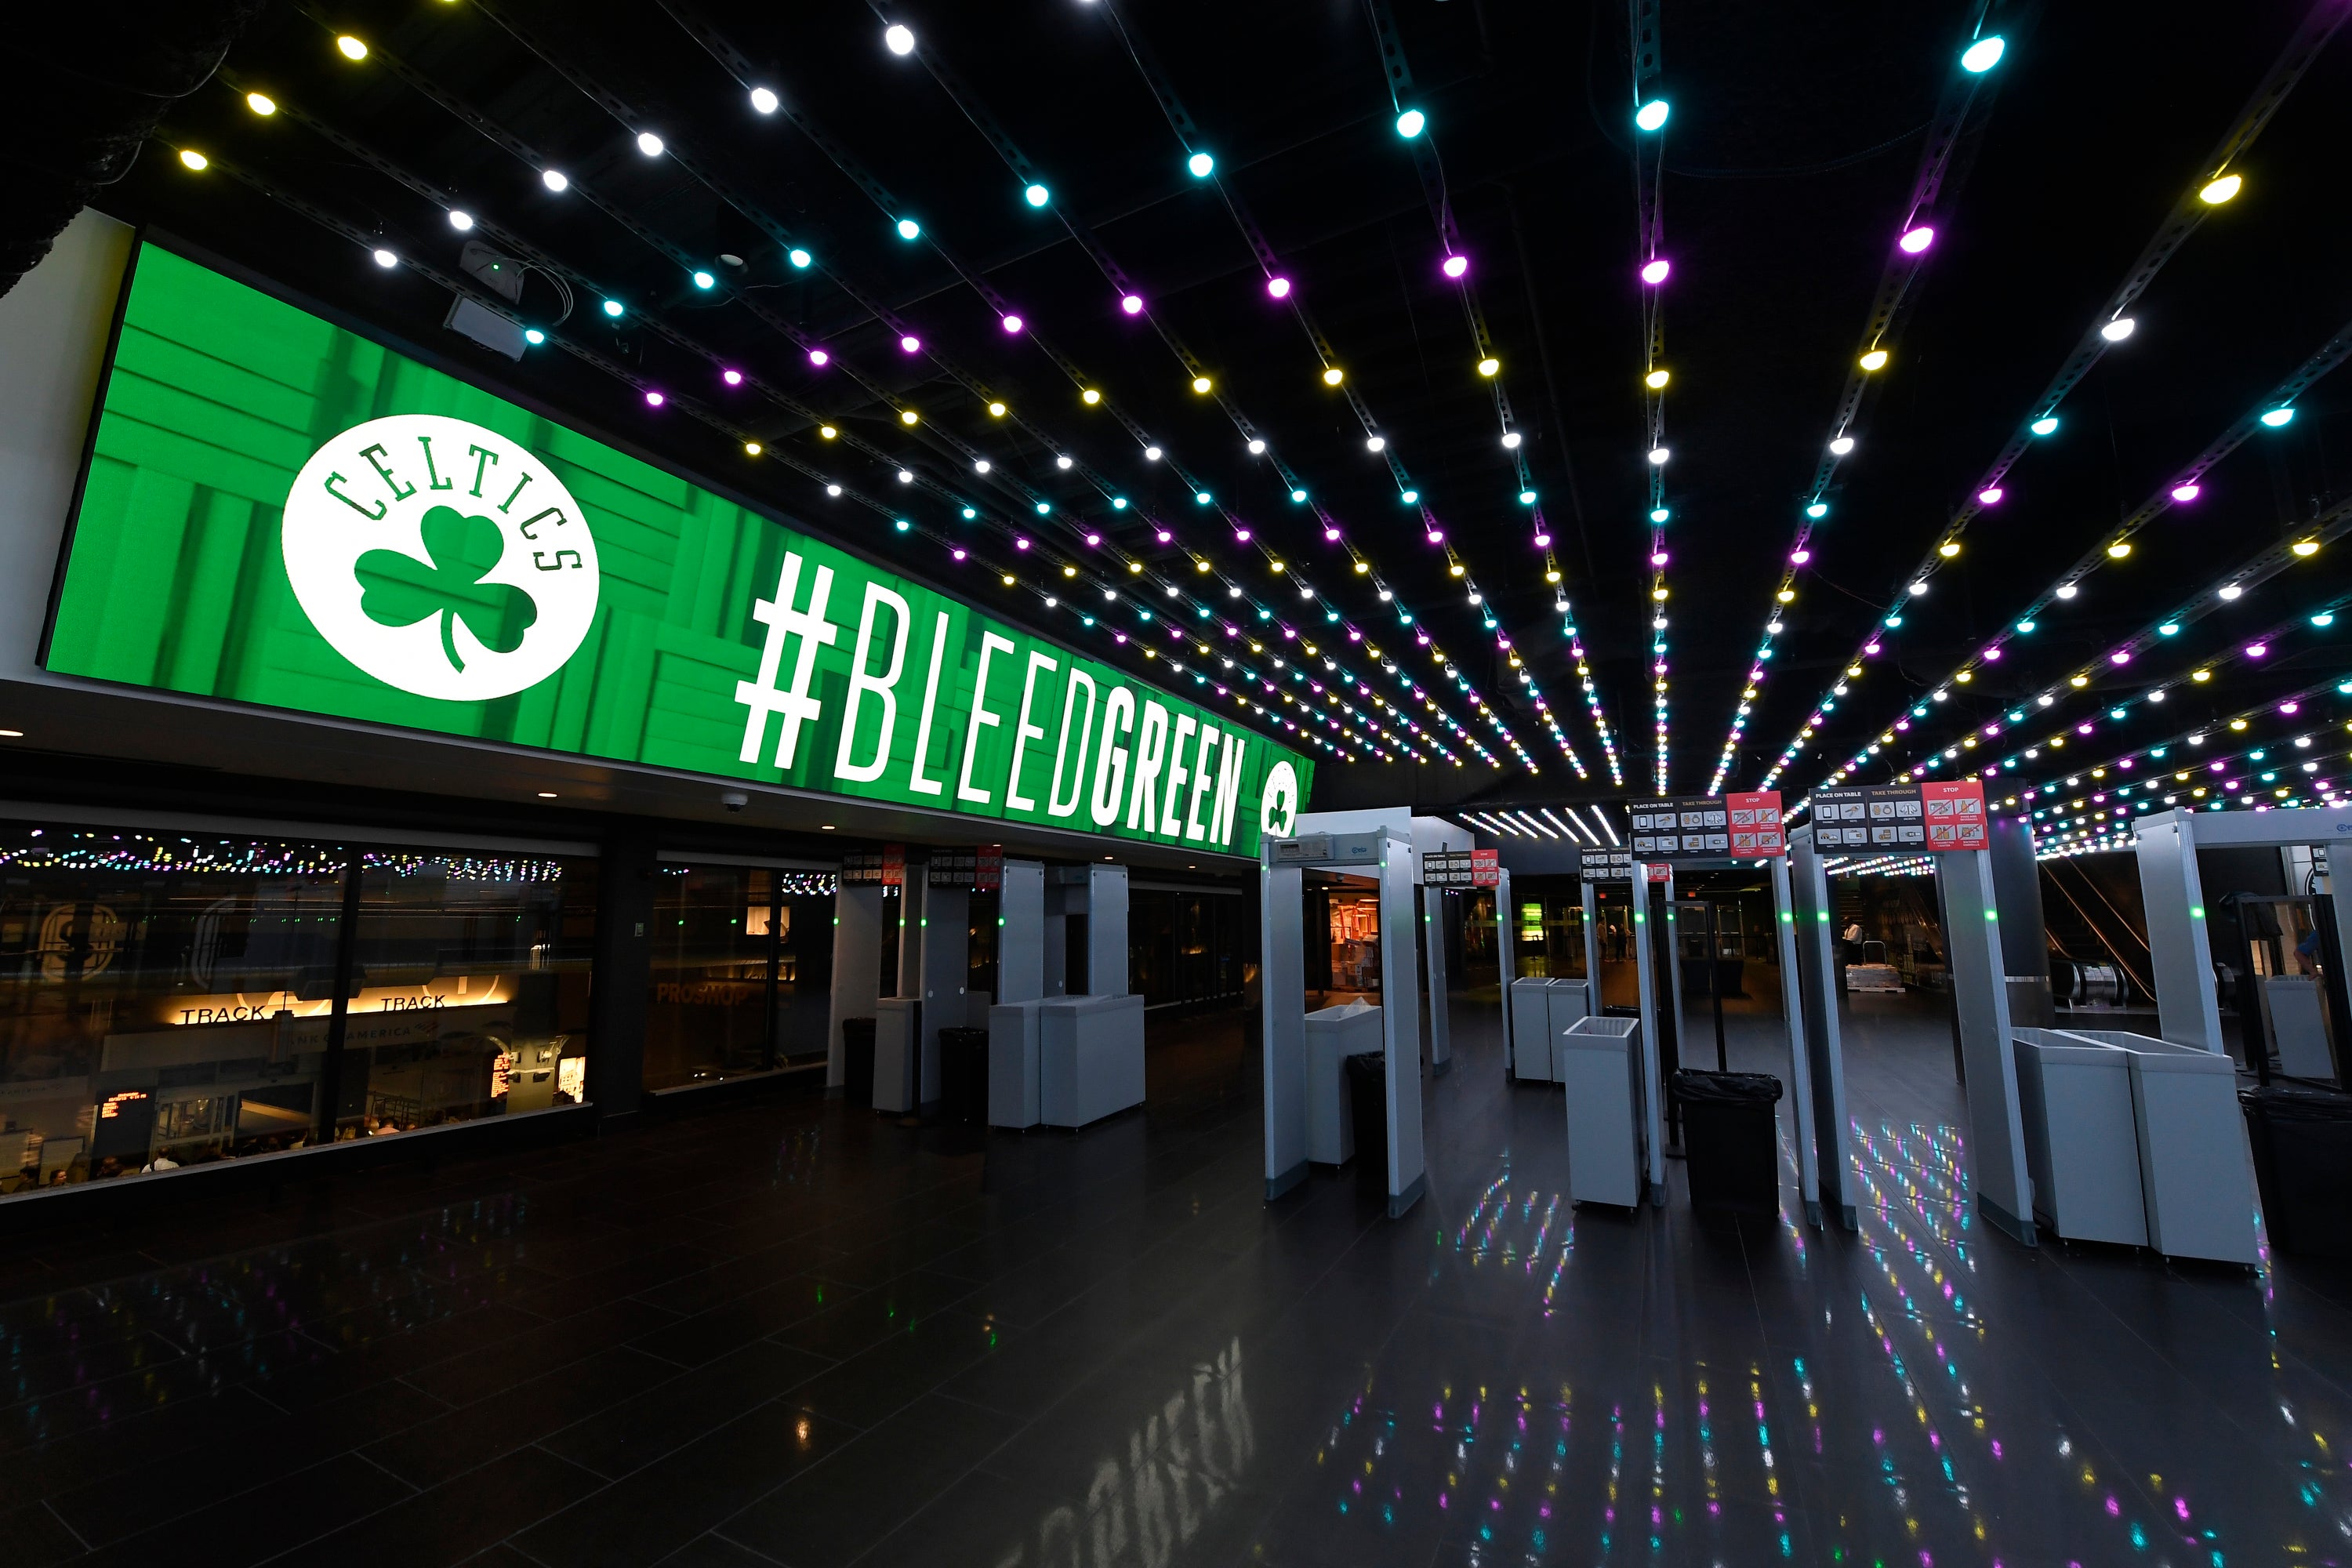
{"points": [[2097, 954]]}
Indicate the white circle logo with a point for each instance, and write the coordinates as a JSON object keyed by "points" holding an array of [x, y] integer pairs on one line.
{"points": [[440, 557], [1277, 810]]}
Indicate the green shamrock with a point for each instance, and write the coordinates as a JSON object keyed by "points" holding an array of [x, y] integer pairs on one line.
{"points": [[397, 590]]}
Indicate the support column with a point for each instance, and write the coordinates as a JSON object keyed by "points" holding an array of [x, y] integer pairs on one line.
{"points": [[1507, 963], [2188, 1010], [1432, 932], [856, 967], [2004, 1191], [2024, 942], [1592, 947], [1645, 973], [944, 957], [1106, 931], [1021, 961], [1400, 1025], [618, 989], [1792, 1007], [1817, 961], [1282, 1024]]}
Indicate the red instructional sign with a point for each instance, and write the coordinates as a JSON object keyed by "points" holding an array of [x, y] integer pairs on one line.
{"points": [[1955, 812], [1756, 826]]}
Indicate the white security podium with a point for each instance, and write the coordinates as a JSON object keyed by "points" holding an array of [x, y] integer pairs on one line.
{"points": [[2195, 1168], [897, 1040], [1350, 1029], [1089, 1057], [1530, 1015], [1013, 1064], [2081, 1137], [1600, 1065]]}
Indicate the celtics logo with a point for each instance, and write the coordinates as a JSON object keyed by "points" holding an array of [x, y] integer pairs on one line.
{"points": [[440, 557], [1278, 802]]}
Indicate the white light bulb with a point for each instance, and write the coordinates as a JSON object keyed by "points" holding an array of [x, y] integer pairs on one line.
{"points": [[554, 180], [460, 221], [900, 37], [2119, 329], [1510, 440], [1375, 444], [1842, 446], [649, 145], [763, 100], [386, 259]]}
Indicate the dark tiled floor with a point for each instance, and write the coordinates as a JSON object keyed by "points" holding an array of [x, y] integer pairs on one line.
{"points": [[791, 1334]]}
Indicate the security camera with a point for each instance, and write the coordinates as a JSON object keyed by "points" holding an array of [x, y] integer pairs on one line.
{"points": [[734, 800]]}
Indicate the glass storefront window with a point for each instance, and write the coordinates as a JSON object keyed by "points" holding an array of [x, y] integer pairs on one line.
{"points": [[169, 1000], [741, 972], [164, 1000], [713, 943], [469, 991], [1183, 947]]}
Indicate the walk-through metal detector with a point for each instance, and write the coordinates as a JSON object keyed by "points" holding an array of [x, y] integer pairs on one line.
{"points": [[1996, 1143], [2187, 1005], [1809, 959], [1507, 963], [1805, 1056], [1387, 854]]}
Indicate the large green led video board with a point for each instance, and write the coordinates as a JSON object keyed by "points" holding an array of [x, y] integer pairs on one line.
{"points": [[283, 512]]}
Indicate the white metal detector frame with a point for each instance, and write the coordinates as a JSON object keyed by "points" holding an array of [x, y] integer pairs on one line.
{"points": [[1998, 1178], [2188, 1006], [1388, 855], [1507, 964], [1812, 1004]]}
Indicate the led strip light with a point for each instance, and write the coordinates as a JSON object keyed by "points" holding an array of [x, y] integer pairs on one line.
{"points": [[2182, 489], [2227, 588], [2215, 186], [1915, 235], [523, 151]]}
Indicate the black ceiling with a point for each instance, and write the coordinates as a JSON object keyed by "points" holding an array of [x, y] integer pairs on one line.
{"points": [[1796, 136]]}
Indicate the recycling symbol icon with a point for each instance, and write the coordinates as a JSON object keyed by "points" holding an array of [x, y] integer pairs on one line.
{"points": [[440, 557]]}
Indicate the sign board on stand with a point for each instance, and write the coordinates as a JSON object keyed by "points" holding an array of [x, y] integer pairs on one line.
{"points": [[1613, 866], [887, 869], [1743, 825], [1461, 869], [1936, 816], [975, 871], [1955, 813]]}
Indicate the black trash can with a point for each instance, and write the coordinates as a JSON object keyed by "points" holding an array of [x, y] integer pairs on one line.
{"points": [[2302, 1141], [963, 1076], [1733, 1146], [1367, 1117], [857, 1062]]}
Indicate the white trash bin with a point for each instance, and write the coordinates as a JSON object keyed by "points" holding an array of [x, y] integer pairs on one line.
{"points": [[1350, 1029], [1600, 1064], [1531, 1029], [2081, 1137], [2195, 1170]]}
